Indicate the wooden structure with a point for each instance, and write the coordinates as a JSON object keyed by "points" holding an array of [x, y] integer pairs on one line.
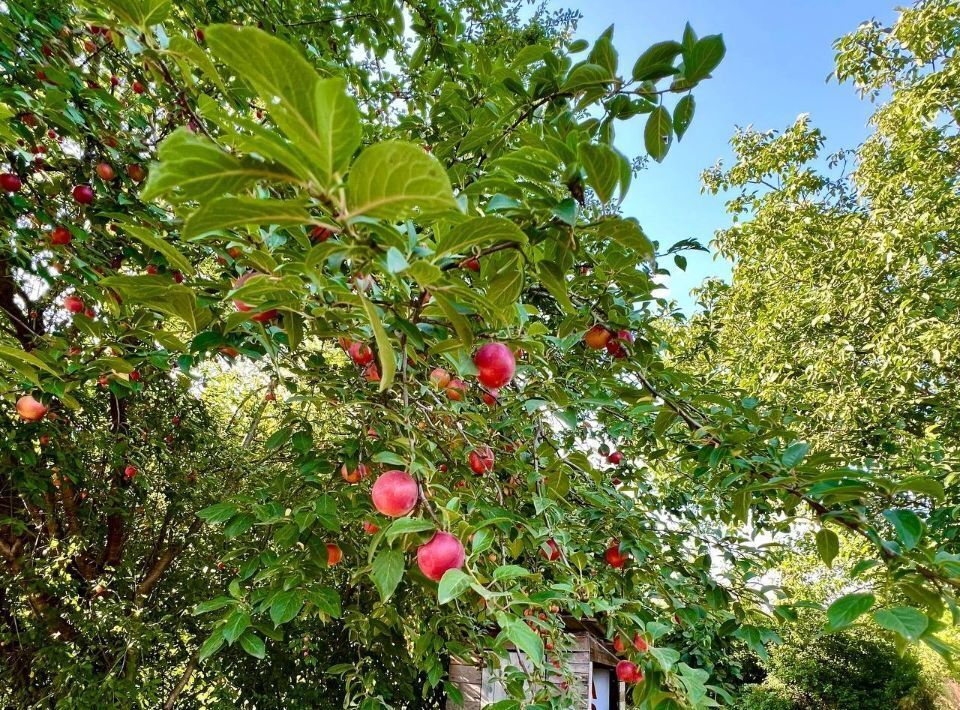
{"points": [[591, 659]]}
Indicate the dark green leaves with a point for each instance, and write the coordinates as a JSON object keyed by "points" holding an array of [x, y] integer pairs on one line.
{"points": [[315, 114], [683, 115], [703, 57], [285, 606], [392, 179], [387, 572], [657, 61], [909, 527], [658, 134], [795, 454], [906, 621], [848, 609]]}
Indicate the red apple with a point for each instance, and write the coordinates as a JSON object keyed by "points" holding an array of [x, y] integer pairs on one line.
{"points": [[73, 304], [439, 378], [138, 88], [597, 337], [371, 373], [495, 364], [370, 528], [615, 344], [244, 307], [31, 410], [354, 476], [552, 553], [456, 389], [334, 554], [129, 472], [198, 33], [10, 182], [481, 460], [618, 644], [83, 194], [472, 264], [60, 235], [395, 493], [320, 233], [153, 269], [136, 172], [629, 672], [614, 557], [640, 643], [443, 552], [360, 353], [490, 398], [615, 458], [135, 376], [106, 172]]}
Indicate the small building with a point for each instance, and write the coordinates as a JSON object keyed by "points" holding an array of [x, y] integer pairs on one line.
{"points": [[591, 660]]}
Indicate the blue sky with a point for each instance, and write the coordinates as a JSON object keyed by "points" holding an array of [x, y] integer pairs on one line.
{"points": [[779, 54]]}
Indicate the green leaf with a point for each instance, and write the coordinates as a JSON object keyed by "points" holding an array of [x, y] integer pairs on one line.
{"points": [[160, 294], [139, 13], [909, 527], [460, 323], [161, 245], [652, 62], [453, 583], [392, 179], [587, 76], [828, 545], [683, 115], [904, 620], [795, 454], [666, 656], [479, 232], [525, 639], [211, 645], [554, 281], [212, 605], [232, 212], [602, 164], [326, 600], [218, 513], [388, 360], [406, 525], [703, 57], [628, 233], [387, 572], [848, 609], [316, 114], [658, 133], [285, 606], [504, 572], [195, 168], [238, 622], [253, 644], [18, 355]]}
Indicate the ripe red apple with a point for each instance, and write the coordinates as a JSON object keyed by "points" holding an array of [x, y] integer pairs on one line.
{"points": [[370, 528], [153, 269], [615, 458], [83, 194], [10, 182], [614, 557], [640, 643], [490, 398], [354, 476], [136, 172], [395, 493], [334, 554], [135, 376], [60, 235], [106, 172], [439, 378], [198, 33], [244, 307], [360, 353], [443, 552], [44, 439], [481, 460], [73, 304], [629, 672], [618, 645], [138, 88], [30, 409], [472, 264], [129, 472], [456, 388], [597, 337], [371, 373], [320, 234], [615, 344], [552, 553], [495, 364]]}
